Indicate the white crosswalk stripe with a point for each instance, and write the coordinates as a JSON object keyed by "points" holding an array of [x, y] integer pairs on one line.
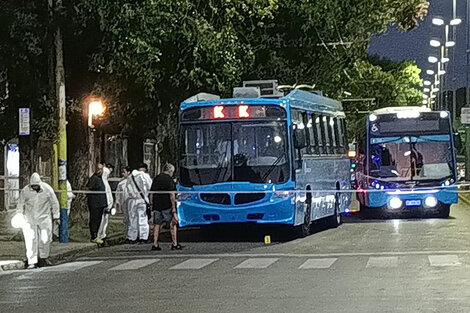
{"points": [[257, 263], [134, 264], [444, 260], [318, 263], [389, 261], [73, 266], [193, 264]]}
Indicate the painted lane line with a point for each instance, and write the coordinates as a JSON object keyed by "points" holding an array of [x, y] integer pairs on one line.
{"points": [[257, 263], [382, 262], [318, 263], [279, 255], [444, 260], [134, 264], [193, 264]]}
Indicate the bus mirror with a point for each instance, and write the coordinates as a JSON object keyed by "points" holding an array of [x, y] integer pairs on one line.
{"points": [[300, 138], [457, 141]]}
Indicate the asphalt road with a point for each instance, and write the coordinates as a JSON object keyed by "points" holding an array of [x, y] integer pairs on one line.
{"points": [[401, 265]]}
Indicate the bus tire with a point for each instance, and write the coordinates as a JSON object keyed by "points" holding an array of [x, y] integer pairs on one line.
{"points": [[335, 220], [443, 211]]}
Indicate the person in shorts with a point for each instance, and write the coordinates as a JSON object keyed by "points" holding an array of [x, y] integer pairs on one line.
{"points": [[164, 206]]}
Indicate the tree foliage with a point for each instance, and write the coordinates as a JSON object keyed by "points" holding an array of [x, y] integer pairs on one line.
{"points": [[144, 57]]}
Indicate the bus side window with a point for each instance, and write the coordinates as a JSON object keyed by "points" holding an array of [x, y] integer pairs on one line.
{"points": [[339, 136], [297, 119], [321, 135], [313, 135], [333, 135], [326, 142]]}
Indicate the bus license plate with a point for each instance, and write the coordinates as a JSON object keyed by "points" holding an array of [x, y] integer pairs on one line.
{"points": [[411, 203]]}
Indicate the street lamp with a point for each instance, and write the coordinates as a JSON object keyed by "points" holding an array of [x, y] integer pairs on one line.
{"points": [[426, 90], [438, 21], [455, 21], [430, 72], [432, 59], [450, 44], [434, 43], [95, 108], [427, 83]]}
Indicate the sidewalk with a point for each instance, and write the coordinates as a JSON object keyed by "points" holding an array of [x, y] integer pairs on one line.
{"points": [[12, 248]]}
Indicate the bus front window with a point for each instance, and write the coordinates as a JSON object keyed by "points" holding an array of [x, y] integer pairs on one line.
{"points": [[417, 161], [260, 152]]}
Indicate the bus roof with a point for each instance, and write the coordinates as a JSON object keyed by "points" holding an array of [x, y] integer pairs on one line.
{"points": [[392, 110], [299, 99]]}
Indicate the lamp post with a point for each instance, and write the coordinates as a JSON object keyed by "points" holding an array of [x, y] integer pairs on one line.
{"points": [[95, 108]]}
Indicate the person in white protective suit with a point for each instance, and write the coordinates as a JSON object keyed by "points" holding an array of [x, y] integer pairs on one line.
{"points": [[121, 198], [70, 197], [137, 189], [40, 208], [110, 201]]}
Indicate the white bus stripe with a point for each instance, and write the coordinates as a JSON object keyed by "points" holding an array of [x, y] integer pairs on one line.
{"points": [[391, 261], [134, 264], [444, 260], [257, 263], [318, 263], [193, 264]]}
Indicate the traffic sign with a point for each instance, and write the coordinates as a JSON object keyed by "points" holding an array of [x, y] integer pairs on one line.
{"points": [[465, 116], [24, 125]]}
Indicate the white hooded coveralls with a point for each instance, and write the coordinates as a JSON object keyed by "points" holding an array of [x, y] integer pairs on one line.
{"points": [[107, 211], [38, 209], [137, 207]]}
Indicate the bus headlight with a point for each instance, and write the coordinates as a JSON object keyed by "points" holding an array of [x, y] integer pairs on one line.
{"points": [[430, 201], [184, 196], [395, 203]]}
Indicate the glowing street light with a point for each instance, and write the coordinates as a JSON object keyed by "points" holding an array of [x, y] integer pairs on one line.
{"points": [[455, 21], [445, 60], [441, 72], [435, 43], [427, 83], [95, 108], [432, 59], [426, 89], [450, 43], [435, 89], [425, 96], [430, 72], [438, 21]]}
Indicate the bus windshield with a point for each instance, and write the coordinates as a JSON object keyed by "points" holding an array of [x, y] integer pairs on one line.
{"points": [[253, 152], [400, 160]]}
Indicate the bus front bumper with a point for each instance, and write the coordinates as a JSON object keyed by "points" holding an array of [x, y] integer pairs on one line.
{"points": [[279, 211], [410, 199]]}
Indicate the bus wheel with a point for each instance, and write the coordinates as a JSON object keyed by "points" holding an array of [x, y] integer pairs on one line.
{"points": [[305, 228], [335, 220], [443, 211]]}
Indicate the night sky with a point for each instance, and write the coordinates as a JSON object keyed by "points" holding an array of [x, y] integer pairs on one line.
{"points": [[414, 45]]}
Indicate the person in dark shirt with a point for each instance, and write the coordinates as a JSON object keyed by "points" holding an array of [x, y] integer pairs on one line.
{"points": [[164, 206], [97, 202]]}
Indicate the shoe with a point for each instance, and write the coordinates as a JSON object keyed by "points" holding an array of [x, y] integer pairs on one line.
{"points": [[143, 241], [157, 248], [46, 262], [32, 266], [97, 241], [177, 247]]}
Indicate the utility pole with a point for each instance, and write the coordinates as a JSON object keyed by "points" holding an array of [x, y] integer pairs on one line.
{"points": [[62, 143], [467, 98]]}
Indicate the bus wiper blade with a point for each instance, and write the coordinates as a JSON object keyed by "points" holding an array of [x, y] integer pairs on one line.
{"points": [[273, 166]]}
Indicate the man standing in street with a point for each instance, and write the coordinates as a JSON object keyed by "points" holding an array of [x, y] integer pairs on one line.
{"points": [[137, 188], [39, 207], [164, 206], [97, 202], [121, 198]]}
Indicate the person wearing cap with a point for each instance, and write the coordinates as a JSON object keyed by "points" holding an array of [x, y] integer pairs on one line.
{"points": [[39, 207]]}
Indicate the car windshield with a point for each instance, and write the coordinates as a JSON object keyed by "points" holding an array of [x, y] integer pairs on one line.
{"points": [[239, 151], [402, 161]]}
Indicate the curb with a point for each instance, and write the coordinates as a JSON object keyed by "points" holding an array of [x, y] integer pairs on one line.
{"points": [[11, 265], [465, 200]]}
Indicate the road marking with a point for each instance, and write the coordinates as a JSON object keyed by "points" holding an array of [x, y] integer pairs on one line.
{"points": [[278, 255], [193, 264], [444, 260], [318, 263], [73, 266], [134, 264], [257, 263], [391, 261]]}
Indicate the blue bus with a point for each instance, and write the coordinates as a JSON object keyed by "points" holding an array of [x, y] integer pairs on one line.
{"points": [[407, 162], [276, 160]]}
